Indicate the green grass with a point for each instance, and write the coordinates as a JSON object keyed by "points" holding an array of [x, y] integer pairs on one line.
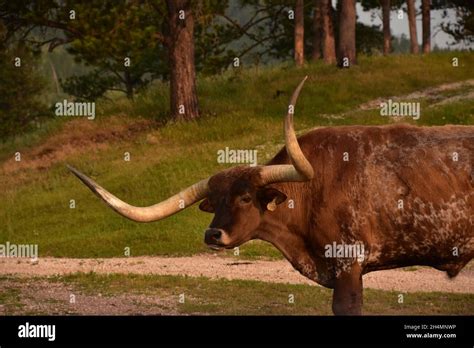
{"points": [[458, 112], [239, 297], [219, 297], [240, 110]]}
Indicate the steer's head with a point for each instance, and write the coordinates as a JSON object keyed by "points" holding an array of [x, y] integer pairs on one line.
{"points": [[238, 197]]}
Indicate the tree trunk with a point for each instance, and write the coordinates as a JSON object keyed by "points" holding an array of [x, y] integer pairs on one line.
{"points": [[328, 42], [347, 25], [317, 31], [412, 26], [425, 11], [299, 33], [183, 96], [387, 37]]}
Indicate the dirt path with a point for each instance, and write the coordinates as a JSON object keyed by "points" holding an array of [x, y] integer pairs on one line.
{"points": [[433, 94], [214, 266]]}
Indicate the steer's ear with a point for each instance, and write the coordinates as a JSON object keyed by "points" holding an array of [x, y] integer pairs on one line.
{"points": [[269, 198], [206, 206]]}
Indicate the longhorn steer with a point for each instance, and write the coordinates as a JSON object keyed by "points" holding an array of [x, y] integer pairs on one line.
{"points": [[341, 202]]}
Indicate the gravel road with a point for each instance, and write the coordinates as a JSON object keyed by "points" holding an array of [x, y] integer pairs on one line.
{"points": [[214, 266]]}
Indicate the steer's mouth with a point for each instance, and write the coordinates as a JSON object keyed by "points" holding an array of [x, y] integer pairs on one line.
{"points": [[220, 246], [217, 247]]}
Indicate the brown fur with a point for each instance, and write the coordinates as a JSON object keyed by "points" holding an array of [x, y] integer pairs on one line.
{"points": [[358, 201]]}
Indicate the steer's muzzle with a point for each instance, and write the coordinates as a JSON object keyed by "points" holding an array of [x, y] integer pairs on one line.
{"points": [[213, 237]]}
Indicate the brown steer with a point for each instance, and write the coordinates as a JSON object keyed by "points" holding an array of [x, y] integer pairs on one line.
{"points": [[341, 202]]}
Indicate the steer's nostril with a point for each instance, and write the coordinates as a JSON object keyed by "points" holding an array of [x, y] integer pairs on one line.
{"points": [[216, 234], [213, 235]]}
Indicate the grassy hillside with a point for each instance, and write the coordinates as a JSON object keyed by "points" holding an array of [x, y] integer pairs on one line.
{"points": [[242, 109]]}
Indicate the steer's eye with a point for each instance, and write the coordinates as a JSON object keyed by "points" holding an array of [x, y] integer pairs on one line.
{"points": [[246, 199]]}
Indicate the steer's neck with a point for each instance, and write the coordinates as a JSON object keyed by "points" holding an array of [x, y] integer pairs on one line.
{"points": [[287, 240], [287, 228]]}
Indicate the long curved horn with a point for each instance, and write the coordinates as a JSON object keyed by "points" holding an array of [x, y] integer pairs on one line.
{"points": [[300, 169], [172, 205]]}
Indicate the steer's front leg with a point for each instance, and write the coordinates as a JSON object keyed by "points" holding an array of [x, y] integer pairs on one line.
{"points": [[347, 294]]}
